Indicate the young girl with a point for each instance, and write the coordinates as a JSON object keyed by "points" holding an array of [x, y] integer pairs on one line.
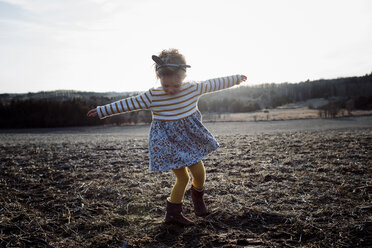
{"points": [[178, 140]]}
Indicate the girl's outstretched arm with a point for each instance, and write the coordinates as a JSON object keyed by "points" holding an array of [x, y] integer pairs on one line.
{"points": [[129, 104], [216, 84]]}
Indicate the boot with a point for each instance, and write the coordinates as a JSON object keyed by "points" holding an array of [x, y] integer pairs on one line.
{"points": [[199, 205], [174, 215]]}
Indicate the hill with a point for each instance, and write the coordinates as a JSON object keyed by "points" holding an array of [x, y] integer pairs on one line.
{"points": [[68, 108]]}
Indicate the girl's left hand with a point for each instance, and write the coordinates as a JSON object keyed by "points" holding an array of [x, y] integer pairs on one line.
{"points": [[244, 78]]}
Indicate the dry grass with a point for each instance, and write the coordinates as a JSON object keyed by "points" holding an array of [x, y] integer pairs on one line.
{"points": [[276, 114]]}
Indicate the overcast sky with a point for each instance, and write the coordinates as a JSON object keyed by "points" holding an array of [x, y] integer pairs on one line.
{"points": [[106, 45]]}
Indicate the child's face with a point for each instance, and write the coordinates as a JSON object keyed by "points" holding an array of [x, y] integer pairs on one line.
{"points": [[171, 84]]}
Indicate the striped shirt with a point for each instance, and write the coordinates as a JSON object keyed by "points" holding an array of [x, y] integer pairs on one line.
{"points": [[165, 107]]}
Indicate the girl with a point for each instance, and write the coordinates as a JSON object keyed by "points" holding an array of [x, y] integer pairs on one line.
{"points": [[178, 140]]}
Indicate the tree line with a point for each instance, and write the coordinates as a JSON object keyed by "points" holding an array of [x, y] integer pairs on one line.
{"points": [[69, 108]]}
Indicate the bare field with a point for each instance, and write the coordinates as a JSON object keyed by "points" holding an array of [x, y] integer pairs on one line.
{"points": [[281, 184]]}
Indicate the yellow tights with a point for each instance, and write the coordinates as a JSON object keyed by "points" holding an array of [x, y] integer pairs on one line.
{"points": [[182, 179]]}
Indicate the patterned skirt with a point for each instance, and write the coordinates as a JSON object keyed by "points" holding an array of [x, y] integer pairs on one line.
{"points": [[180, 143]]}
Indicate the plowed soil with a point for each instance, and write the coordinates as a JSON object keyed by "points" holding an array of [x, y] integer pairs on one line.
{"points": [[302, 188]]}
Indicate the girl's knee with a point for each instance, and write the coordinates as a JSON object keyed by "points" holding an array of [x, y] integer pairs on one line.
{"points": [[198, 175], [184, 179], [197, 169], [182, 176]]}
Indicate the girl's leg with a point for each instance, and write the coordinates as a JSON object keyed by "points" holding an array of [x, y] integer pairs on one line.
{"points": [[178, 191], [174, 204], [198, 175], [197, 189]]}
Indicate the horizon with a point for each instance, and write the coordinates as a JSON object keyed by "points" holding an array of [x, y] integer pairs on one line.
{"points": [[106, 45], [241, 85]]}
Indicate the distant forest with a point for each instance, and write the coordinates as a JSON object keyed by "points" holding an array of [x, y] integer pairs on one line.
{"points": [[69, 108]]}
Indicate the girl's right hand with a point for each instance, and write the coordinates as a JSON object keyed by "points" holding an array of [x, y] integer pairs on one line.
{"points": [[92, 113]]}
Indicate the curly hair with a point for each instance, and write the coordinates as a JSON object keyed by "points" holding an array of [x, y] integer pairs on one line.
{"points": [[171, 56]]}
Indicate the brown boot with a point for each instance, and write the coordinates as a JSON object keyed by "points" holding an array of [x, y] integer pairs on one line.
{"points": [[174, 215], [199, 205]]}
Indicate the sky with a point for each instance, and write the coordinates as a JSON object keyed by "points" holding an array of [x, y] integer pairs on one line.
{"points": [[106, 45]]}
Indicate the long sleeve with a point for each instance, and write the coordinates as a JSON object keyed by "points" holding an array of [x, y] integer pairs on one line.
{"points": [[221, 83], [129, 104]]}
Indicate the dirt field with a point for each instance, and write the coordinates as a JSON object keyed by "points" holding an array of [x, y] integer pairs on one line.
{"points": [[284, 186]]}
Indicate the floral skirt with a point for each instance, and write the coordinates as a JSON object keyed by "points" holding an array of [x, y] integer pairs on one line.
{"points": [[180, 143]]}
